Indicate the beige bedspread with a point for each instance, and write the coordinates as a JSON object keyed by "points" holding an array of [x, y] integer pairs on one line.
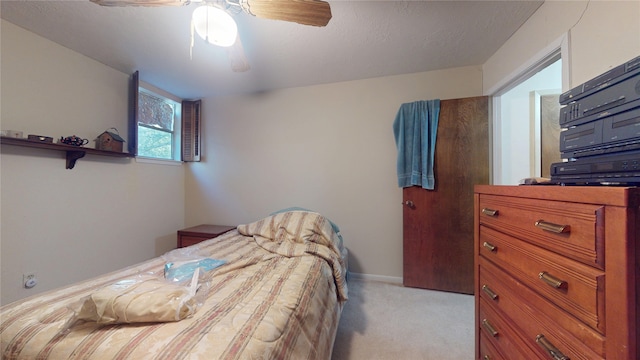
{"points": [[279, 296]]}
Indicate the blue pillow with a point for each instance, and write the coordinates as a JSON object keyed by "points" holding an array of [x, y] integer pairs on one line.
{"points": [[335, 227]]}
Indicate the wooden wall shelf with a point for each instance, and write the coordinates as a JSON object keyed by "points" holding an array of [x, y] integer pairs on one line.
{"points": [[73, 153]]}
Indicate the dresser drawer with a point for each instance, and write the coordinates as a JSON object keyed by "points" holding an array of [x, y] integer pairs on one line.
{"points": [[573, 286], [571, 229], [498, 335], [488, 351], [536, 340], [534, 314]]}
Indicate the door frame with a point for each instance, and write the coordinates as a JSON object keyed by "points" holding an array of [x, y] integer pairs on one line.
{"points": [[558, 48]]}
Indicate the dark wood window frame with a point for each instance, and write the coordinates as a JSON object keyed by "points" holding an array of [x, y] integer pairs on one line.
{"points": [[190, 142]]}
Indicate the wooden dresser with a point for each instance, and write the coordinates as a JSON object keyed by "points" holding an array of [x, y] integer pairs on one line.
{"points": [[557, 272]]}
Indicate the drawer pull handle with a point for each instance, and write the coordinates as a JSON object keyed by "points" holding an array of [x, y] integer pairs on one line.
{"points": [[554, 228], [490, 212], [486, 357], [489, 246], [487, 326], [552, 280], [489, 292], [549, 348]]}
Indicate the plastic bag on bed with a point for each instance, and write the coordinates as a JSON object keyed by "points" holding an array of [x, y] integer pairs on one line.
{"points": [[172, 295], [181, 263], [179, 271], [141, 299]]}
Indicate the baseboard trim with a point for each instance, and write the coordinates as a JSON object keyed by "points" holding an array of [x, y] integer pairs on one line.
{"points": [[379, 278]]}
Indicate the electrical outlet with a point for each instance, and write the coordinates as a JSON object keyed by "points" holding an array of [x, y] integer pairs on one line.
{"points": [[29, 280]]}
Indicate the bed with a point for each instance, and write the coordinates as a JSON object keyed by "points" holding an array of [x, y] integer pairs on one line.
{"points": [[277, 293]]}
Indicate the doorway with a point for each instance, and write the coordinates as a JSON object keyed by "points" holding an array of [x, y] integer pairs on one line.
{"points": [[526, 128]]}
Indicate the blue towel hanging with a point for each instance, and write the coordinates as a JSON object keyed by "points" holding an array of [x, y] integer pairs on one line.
{"points": [[415, 129]]}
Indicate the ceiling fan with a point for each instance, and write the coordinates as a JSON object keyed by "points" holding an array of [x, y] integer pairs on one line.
{"points": [[305, 12]]}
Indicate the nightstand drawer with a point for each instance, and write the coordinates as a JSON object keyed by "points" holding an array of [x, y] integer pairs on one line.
{"points": [[573, 286], [196, 234], [571, 229], [191, 240]]}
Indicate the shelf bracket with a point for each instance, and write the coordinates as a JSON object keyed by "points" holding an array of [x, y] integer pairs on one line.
{"points": [[72, 156]]}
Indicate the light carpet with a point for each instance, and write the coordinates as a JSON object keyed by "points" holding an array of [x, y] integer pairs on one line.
{"points": [[389, 321]]}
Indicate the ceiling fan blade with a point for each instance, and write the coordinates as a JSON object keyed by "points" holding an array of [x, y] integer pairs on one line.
{"points": [[237, 58], [306, 12], [141, 2]]}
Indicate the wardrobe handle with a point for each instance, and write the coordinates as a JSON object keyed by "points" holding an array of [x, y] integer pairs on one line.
{"points": [[554, 228], [490, 212], [409, 203], [489, 292], [487, 326], [490, 246], [486, 357], [552, 280], [550, 348]]}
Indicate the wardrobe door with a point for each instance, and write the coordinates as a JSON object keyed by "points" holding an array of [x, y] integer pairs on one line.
{"points": [[438, 224]]}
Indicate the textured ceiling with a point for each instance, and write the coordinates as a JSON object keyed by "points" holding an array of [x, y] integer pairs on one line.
{"points": [[364, 39]]}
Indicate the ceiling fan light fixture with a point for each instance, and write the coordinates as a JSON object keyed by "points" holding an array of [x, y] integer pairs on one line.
{"points": [[214, 25]]}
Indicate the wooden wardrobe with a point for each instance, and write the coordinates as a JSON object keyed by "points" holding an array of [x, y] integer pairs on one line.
{"points": [[438, 224]]}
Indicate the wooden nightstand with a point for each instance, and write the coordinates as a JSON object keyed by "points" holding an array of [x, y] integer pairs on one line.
{"points": [[196, 234]]}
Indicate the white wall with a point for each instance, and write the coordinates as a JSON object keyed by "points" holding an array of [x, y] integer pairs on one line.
{"points": [[329, 148], [602, 35], [69, 225]]}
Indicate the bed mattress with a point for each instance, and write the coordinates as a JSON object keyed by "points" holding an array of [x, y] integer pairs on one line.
{"points": [[278, 295]]}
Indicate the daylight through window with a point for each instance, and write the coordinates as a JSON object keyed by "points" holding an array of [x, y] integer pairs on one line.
{"points": [[158, 124]]}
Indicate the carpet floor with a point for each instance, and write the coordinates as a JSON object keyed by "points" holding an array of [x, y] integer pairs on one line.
{"points": [[389, 321]]}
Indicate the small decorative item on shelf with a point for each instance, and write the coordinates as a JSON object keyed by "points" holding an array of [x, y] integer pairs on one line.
{"points": [[74, 140], [40, 138], [111, 141], [12, 133]]}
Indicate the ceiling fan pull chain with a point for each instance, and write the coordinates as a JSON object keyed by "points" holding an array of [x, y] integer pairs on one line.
{"points": [[191, 45]]}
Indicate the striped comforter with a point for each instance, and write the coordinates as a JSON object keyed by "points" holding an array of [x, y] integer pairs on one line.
{"points": [[279, 296]]}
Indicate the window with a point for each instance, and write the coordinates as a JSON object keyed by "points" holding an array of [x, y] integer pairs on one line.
{"points": [[158, 125], [162, 126]]}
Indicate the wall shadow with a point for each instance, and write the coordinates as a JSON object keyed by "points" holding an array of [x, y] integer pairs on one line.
{"points": [[353, 320]]}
